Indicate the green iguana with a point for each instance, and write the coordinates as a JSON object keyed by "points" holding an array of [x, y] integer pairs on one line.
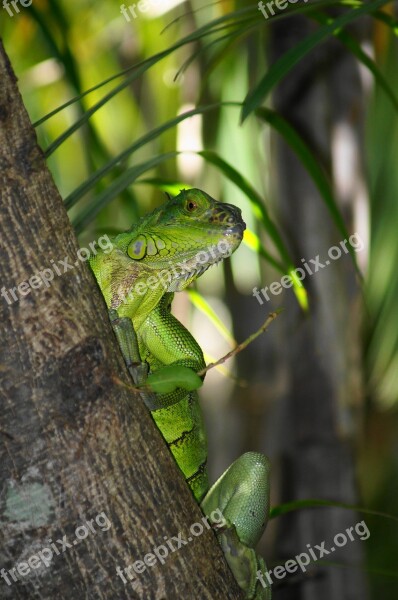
{"points": [[162, 254]]}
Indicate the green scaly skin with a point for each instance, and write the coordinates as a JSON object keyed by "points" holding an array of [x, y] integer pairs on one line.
{"points": [[162, 254]]}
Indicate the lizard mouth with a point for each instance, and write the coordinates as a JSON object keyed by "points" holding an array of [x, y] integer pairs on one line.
{"points": [[230, 216], [237, 229]]}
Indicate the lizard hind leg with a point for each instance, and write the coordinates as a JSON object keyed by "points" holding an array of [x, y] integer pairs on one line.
{"points": [[241, 494]]}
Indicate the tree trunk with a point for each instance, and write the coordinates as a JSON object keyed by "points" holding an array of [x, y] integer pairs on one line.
{"points": [[319, 417], [88, 484]]}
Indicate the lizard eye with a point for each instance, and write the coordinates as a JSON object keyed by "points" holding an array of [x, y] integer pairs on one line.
{"points": [[190, 205]]}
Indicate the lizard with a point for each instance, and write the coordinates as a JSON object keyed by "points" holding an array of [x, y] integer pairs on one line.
{"points": [[159, 255]]}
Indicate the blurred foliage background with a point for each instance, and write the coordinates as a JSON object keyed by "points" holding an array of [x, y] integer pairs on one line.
{"points": [[129, 104]]}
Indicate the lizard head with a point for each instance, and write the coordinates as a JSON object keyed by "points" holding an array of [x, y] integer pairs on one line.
{"points": [[185, 236]]}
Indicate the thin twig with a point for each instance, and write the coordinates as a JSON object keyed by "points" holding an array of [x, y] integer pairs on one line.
{"points": [[118, 381], [244, 344]]}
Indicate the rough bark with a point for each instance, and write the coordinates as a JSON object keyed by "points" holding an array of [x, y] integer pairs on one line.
{"points": [[75, 443]]}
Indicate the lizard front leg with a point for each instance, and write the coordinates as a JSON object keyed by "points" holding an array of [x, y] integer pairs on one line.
{"points": [[128, 343]]}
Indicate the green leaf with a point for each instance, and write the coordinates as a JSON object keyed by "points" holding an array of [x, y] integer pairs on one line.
{"points": [[352, 45], [168, 379], [90, 182], [388, 20], [231, 36], [252, 241], [314, 169], [211, 28], [283, 65], [115, 188], [260, 210], [207, 29], [282, 509], [201, 304], [166, 185]]}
